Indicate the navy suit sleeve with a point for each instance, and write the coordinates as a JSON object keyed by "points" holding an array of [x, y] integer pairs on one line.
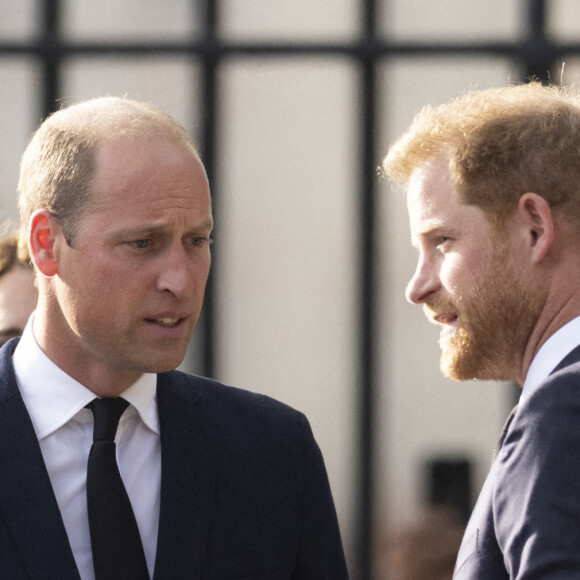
{"points": [[537, 499], [320, 553]]}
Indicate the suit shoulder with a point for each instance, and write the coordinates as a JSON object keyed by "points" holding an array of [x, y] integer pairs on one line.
{"points": [[535, 480], [546, 417], [226, 399]]}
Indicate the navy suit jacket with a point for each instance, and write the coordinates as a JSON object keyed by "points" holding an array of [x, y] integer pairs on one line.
{"points": [[526, 523], [244, 491]]}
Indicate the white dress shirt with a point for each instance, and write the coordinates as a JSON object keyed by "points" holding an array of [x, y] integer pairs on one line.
{"points": [[551, 353], [56, 404]]}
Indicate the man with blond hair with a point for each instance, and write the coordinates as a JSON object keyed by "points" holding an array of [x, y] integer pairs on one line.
{"points": [[493, 193], [18, 294], [114, 465]]}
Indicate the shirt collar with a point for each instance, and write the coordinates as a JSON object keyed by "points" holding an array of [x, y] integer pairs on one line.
{"points": [[563, 341], [52, 396]]}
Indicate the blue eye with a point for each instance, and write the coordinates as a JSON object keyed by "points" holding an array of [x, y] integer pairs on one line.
{"points": [[198, 241], [141, 244]]}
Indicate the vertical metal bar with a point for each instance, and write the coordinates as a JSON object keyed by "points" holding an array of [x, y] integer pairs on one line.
{"points": [[208, 108], [539, 66], [367, 310], [536, 18], [50, 57]]}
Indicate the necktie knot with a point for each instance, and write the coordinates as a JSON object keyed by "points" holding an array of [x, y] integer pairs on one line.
{"points": [[107, 413]]}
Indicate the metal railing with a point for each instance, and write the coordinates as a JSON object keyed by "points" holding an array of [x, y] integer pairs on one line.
{"points": [[534, 54]]}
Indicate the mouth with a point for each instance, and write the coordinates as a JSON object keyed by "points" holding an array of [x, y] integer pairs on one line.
{"points": [[445, 319], [448, 324], [166, 321]]}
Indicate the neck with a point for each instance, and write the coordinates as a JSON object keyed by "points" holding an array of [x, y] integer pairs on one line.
{"points": [[554, 315]]}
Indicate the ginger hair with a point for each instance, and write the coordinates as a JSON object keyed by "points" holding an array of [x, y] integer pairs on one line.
{"points": [[500, 143]]}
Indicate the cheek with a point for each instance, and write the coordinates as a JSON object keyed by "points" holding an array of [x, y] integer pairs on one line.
{"points": [[459, 275], [199, 271], [203, 273], [117, 275]]}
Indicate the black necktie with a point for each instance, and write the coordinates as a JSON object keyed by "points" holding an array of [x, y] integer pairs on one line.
{"points": [[502, 437], [115, 541]]}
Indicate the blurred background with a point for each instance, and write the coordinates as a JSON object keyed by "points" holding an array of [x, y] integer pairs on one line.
{"points": [[294, 104]]}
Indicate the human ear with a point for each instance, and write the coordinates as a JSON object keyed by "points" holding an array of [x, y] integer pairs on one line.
{"points": [[43, 231], [536, 216]]}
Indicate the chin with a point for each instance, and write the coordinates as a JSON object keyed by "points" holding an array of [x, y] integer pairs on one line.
{"points": [[164, 364], [164, 368], [469, 368], [453, 373]]}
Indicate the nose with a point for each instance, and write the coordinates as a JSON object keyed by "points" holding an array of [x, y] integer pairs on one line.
{"points": [[177, 274], [424, 283]]}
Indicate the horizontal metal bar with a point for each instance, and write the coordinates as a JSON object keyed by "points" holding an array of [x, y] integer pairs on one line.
{"points": [[526, 50]]}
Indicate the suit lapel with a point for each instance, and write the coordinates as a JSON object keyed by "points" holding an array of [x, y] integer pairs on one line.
{"points": [[27, 502], [187, 479]]}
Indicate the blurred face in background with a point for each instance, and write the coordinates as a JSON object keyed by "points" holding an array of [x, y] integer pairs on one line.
{"points": [[18, 297]]}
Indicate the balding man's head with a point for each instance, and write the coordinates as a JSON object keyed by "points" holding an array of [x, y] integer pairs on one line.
{"points": [[60, 161]]}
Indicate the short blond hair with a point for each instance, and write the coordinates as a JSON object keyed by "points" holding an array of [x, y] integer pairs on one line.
{"points": [[501, 143], [59, 162], [12, 255]]}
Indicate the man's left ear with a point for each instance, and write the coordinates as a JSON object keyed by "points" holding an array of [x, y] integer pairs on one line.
{"points": [[536, 216], [43, 231]]}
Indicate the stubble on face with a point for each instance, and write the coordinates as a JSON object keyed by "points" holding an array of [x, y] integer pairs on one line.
{"points": [[495, 320]]}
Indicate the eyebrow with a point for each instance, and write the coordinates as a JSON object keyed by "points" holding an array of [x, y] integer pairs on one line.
{"points": [[432, 229], [206, 225], [155, 228]]}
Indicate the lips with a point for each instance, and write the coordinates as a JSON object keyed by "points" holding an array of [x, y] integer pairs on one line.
{"points": [[167, 320], [445, 319]]}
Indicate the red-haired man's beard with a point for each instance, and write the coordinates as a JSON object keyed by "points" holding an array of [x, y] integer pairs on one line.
{"points": [[495, 318]]}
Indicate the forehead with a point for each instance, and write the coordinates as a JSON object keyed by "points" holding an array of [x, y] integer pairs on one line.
{"points": [[150, 174], [433, 203], [430, 189]]}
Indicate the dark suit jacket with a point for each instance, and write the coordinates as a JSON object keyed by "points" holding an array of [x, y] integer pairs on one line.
{"points": [[526, 523], [244, 491]]}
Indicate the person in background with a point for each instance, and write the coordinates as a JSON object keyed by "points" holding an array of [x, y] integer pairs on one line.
{"points": [[493, 194], [114, 465], [18, 293]]}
